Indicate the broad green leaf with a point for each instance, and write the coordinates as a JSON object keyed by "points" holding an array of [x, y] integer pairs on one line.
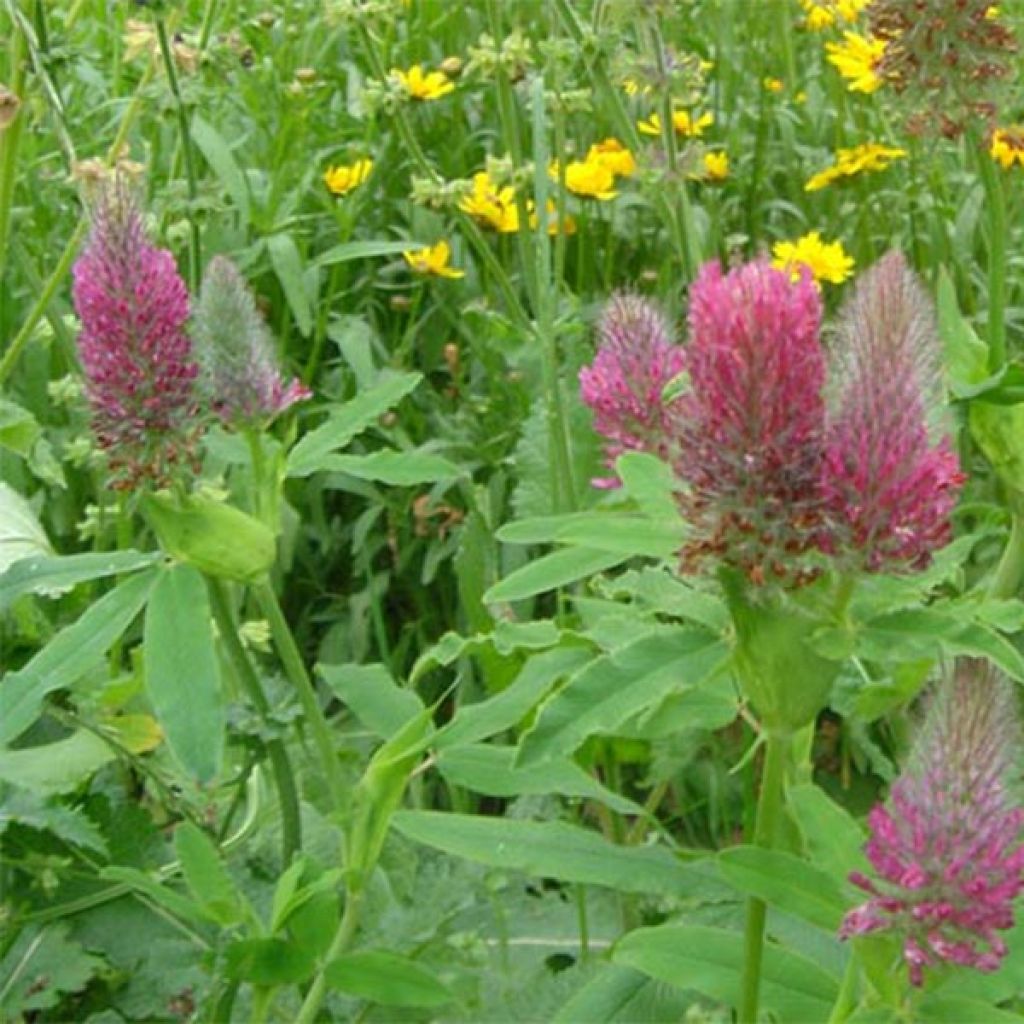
{"points": [[553, 849], [46, 574], [966, 353], [206, 876], [291, 897], [19, 430], [55, 767], [600, 1000], [218, 155], [21, 536], [785, 882], [541, 529], [268, 962], [372, 695], [628, 535], [710, 961], [398, 469], [70, 824], [287, 263], [40, 966], [833, 839], [70, 654], [386, 978], [348, 251], [616, 686], [651, 484], [182, 673], [940, 1008], [490, 769], [473, 722], [552, 571], [347, 421]]}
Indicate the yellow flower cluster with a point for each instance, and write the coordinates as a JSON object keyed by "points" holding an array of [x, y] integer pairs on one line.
{"points": [[826, 260], [869, 156], [1008, 146], [857, 59], [821, 14], [594, 177], [491, 206], [433, 259], [430, 86], [682, 121], [345, 177]]}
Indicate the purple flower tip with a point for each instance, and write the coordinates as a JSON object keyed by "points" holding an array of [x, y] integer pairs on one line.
{"points": [[135, 353], [240, 375], [636, 359], [946, 845]]}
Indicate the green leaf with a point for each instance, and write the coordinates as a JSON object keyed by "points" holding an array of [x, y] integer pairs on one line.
{"points": [[833, 839], [71, 824], [45, 575], [489, 769], [386, 978], [785, 882], [349, 251], [55, 767], [372, 695], [710, 961], [287, 263], [552, 849], [268, 962], [40, 967], [347, 421], [473, 722], [651, 484], [182, 673], [218, 155], [206, 876], [172, 900], [69, 655], [966, 353], [614, 687], [939, 1008], [21, 536], [600, 1000], [552, 571], [19, 430], [398, 469], [627, 534]]}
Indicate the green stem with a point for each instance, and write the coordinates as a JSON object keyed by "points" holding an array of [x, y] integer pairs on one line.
{"points": [[769, 806], [10, 139], [1006, 581], [294, 668], [996, 201], [194, 252], [284, 778], [342, 938]]}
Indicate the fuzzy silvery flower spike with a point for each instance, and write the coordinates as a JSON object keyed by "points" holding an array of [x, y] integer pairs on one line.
{"points": [[946, 845], [624, 386], [240, 376], [134, 350]]}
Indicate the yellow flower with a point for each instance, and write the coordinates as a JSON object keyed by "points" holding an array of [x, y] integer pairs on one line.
{"points": [[491, 206], [589, 178], [344, 178], [868, 156], [773, 84], [567, 227], [826, 260], [992, 12], [432, 260], [683, 123], [1008, 146], [824, 13], [716, 166], [430, 86], [614, 155], [856, 59]]}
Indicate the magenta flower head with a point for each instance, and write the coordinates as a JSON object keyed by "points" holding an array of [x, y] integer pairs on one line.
{"points": [[636, 360], [135, 353], [889, 481], [240, 375], [750, 432], [946, 845]]}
